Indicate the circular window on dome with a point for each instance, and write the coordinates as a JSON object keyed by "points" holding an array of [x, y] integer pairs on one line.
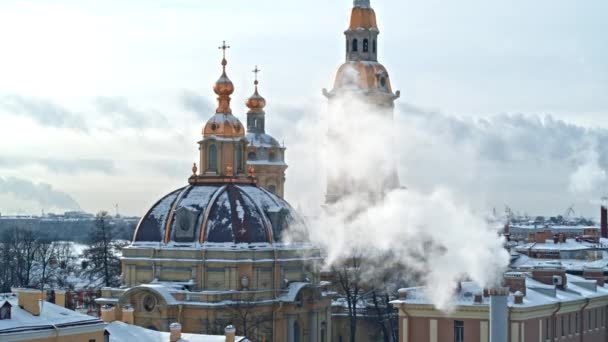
{"points": [[213, 127], [149, 303]]}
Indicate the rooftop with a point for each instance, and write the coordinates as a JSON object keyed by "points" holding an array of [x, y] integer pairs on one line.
{"points": [[120, 332]]}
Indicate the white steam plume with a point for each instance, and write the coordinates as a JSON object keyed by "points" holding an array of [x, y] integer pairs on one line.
{"points": [[435, 236], [589, 176]]}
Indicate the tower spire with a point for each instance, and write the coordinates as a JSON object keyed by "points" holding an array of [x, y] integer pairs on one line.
{"points": [[256, 104]]}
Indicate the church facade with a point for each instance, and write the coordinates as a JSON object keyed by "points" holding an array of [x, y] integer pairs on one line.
{"points": [[210, 253]]}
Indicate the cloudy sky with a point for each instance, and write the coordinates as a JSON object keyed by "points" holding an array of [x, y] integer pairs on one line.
{"points": [[102, 102]]}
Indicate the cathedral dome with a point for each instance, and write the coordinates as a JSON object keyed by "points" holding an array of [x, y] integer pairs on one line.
{"points": [[216, 213], [224, 126], [363, 75]]}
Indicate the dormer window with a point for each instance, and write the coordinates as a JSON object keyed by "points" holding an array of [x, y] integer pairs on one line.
{"points": [[251, 156], [5, 310]]}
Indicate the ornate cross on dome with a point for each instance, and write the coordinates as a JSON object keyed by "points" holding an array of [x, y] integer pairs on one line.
{"points": [[256, 71], [224, 47]]}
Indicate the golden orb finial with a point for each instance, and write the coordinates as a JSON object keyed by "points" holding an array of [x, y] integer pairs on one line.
{"points": [[251, 171]]}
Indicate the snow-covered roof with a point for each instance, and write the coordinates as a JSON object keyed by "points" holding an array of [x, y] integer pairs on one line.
{"points": [[216, 213], [524, 262], [550, 245], [52, 317], [537, 293], [121, 332]]}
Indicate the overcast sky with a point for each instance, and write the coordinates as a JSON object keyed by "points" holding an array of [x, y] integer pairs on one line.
{"points": [[102, 102]]}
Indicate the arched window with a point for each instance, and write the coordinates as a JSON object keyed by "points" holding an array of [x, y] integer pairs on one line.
{"points": [[212, 158], [238, 151], [272, 188], [271, 156], [383, 82], [251, 156], [355, 45], [374, 46], [365, 45]]}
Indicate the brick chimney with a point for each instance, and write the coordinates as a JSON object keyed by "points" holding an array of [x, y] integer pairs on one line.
{"points": [[107, 314], [29, 300], [597, 274], [175, 332], [550, 275], [515, 281], [127, 314], [60, 298], [604, 219], [230, 333], [518, 297], [478, 298]]}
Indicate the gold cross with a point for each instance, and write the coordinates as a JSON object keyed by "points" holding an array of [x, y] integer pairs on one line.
{"points": [[224, 47]]}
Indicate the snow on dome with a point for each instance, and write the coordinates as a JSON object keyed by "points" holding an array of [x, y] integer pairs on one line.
{"points": [[216, 213]]}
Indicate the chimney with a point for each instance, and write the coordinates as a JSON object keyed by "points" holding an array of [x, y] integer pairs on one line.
{"points": [[175, 332], [230, 333], [478, 299], [518, 298], [597, 274], [550, 275], [60, 298], [402, 294], [29, 300], [604, 218], [107, 314], [515, 281], [499, 314], [127, 314]]}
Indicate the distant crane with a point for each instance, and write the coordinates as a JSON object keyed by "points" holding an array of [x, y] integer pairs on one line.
{"points": [[570, 212]]}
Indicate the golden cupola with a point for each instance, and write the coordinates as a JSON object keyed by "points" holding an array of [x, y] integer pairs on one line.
{"points": [[256, 102], [223, 124]]}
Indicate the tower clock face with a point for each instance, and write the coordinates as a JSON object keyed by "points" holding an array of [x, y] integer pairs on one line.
{"points": [[149, 303]]}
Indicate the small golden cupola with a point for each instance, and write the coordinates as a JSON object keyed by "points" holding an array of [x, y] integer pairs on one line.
{"points": [[256, 102], [224, 145]]}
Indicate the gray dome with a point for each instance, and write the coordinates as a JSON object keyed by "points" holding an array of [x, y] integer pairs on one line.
{"points": [[216, 213]]}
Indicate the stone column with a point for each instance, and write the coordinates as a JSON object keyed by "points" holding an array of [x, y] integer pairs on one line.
{"points": [[291, 319], [313, 321]]}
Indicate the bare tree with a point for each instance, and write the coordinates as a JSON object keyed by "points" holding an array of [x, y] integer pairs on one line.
{"points": [[348, 275], [246, 318]]}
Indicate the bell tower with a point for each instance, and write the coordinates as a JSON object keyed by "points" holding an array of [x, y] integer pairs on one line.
{"points": [[362, 77], [264, 153]]}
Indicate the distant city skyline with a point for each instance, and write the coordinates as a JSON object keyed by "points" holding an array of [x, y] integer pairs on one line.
{"points": [[103, 102]]}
